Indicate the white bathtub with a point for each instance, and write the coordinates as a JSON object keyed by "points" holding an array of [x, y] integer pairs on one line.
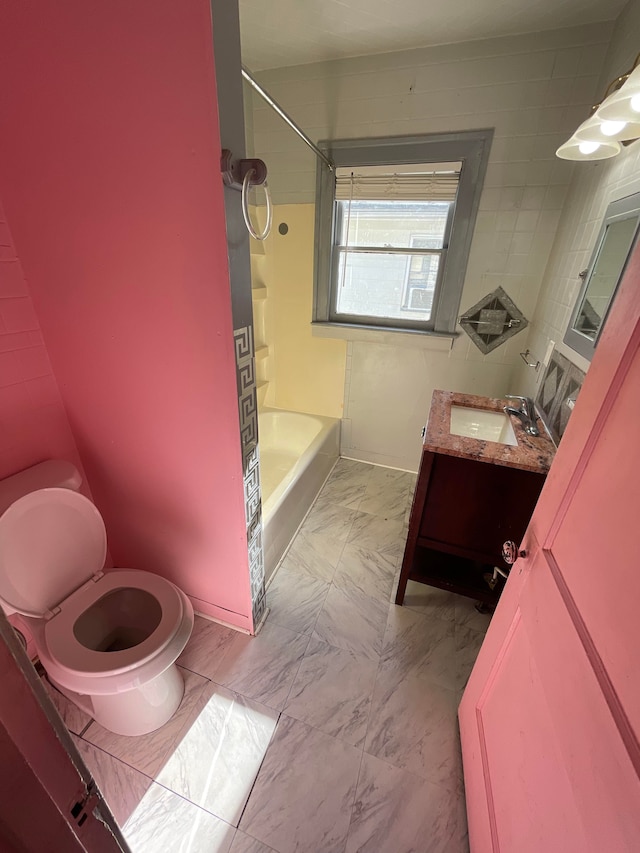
{"points": [[297, 452]]}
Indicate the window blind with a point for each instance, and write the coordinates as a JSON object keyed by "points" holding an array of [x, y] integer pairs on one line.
{"points": [[411, 182]]}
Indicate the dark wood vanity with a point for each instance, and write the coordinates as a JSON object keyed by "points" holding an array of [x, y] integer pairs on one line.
{"points": [[471, 496]]}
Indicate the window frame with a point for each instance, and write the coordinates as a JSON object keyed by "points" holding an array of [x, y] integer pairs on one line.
{"points": [[471, 148], [440, 254]]}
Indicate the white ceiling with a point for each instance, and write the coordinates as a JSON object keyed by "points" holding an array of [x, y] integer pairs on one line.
{"points": [[295, 32]]}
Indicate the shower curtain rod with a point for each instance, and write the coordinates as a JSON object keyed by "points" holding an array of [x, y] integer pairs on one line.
{"points": [[274, 105]]}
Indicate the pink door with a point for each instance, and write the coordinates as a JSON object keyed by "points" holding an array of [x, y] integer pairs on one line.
{"points": [[550, 719], [48, 801]]}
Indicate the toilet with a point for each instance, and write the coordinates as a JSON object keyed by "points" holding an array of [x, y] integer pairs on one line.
{"points": [[108, 639]]}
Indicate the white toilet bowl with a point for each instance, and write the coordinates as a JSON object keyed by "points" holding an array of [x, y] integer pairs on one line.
{"points": [[108, 640]]}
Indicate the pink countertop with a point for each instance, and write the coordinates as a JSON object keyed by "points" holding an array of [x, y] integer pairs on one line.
{"points": [[532, 453]]}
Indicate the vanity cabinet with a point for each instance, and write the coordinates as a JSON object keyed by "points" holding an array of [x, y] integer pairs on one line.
{"points": [[470, 497]]}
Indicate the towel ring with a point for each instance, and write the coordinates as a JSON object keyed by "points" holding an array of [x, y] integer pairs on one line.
{"points": [[246, 186]]}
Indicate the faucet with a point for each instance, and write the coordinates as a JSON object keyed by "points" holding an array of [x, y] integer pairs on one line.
{"points": [[526, 413]]}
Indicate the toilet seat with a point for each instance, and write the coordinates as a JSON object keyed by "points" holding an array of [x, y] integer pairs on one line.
{"points": [[84, 670], [39, 571], [74, 657]]}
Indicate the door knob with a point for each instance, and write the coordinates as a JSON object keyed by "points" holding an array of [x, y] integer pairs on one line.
{"points": [[510, 552]]}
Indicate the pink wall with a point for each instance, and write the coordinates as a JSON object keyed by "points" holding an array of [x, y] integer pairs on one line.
{"points": [[33, 421], [109, 173]]}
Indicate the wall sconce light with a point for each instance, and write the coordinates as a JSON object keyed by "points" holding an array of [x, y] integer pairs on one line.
{"points": [[612, 123]]}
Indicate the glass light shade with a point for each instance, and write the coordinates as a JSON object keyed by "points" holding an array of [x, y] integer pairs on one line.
{"points": [[596, 129], [582, 149], [623, 105]]}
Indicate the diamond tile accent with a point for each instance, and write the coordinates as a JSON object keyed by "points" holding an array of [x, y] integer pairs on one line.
{"points": [[493, 320], [552, 381], [557, 394]]}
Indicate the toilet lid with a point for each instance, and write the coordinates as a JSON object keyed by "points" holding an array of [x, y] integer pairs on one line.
{"points": [[51, 542]]}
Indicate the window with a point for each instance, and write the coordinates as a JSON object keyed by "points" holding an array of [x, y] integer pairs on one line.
{"points": [[421, 275], [394, 226]]}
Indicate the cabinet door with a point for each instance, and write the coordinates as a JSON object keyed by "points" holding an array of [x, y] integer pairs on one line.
{"points": [[476, 506]]}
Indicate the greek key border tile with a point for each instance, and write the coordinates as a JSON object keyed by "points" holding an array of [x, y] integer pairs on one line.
{"points": [[248, 411]]}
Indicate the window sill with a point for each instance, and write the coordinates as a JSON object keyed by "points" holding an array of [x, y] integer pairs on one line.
{"points": [[435, 341]]}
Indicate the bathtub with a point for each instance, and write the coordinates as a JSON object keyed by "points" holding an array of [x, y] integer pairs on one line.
{"points": [[297, 453]]}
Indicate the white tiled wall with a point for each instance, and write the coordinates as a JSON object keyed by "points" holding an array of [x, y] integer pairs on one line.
{"points": [[533, 90], [594, 186]]}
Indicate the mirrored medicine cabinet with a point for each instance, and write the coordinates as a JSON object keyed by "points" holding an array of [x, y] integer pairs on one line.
{"points": [[606, 266]]}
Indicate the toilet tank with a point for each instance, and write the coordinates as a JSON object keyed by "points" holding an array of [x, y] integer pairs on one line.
{"points": [[54, 473]]}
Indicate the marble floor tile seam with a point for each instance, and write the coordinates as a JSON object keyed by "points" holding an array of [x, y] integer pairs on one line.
{"points": [[403, 503], [293, 680], [205, 808], [63, 706], [400, 765], [427, 684], [366, 728], [127, 764], [320, 731], [240, 693], [187, 723], [411, 773], [346, 582], [350, 526], [437, 616], [283, 624], [356, 470], [322, 501], [228, 650], [196, 805], [84, 730], [115, 758], [290, 556], [355, 797], [424, 686], [255, 778], [313, 626], [351, 501], [195, 672], [369, 716], [324, 734], [292, 543], [155, 779], [317, 728], [327, 638], [318, 500], [256, 845]]}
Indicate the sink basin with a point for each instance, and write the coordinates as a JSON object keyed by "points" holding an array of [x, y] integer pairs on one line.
{"points": [[483, 425]]}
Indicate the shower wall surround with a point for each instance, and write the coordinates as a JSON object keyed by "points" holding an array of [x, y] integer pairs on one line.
{"points": [[303, 373]]}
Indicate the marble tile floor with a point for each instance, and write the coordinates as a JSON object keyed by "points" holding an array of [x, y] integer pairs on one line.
{"points": [[332, 731]]}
